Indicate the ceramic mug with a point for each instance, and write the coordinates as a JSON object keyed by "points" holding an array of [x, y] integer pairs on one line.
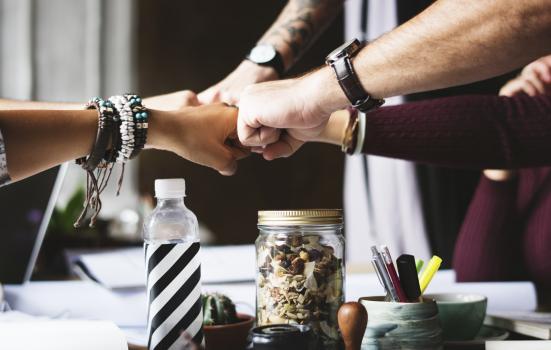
{"points": [[461, 315], [401, 325]]}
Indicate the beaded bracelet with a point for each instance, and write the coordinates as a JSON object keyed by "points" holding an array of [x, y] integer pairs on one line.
{"points": [[141, 117], [133, 127], [123, 120], [126, 127]]}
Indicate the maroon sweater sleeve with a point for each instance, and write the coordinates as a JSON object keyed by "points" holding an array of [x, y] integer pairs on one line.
{"points": [[476, 131]]}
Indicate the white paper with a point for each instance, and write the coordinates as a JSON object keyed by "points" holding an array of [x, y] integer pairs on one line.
{"points": [[125, 268], [61, 335], [78, 300], [122, 268]]}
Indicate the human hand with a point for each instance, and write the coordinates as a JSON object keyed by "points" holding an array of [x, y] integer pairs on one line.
{"points": [[534, 79], [205, 135], [266, 108], [172, 101], [300, 105], [229, 90], [292, 139]]}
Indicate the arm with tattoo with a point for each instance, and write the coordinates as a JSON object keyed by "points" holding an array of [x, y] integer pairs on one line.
{"points": [[298, 25], [300, 22]]}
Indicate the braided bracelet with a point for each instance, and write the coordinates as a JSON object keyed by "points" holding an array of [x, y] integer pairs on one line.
{"points": [[97, 180], [106, 123]]}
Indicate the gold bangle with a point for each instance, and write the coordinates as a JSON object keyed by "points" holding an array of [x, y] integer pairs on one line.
{"points": [[350, 134]]}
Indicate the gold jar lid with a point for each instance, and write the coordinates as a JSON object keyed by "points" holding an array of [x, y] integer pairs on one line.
{"points": [[300, 217]]}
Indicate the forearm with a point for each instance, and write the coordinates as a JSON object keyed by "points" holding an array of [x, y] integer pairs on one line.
{"points": [[465, 131], [300, 22], [451, 43], [37, 140], [9, 104], [157, 102]]}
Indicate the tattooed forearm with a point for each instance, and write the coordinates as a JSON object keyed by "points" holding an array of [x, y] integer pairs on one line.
{"points": [[296, 33], [299, 24]]}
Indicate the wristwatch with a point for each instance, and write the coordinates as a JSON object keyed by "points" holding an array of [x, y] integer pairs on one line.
{"points": [[339, 59], [266, 55]]}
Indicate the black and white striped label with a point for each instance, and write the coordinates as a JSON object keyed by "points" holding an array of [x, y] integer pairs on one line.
{"points": [[173, 293]]}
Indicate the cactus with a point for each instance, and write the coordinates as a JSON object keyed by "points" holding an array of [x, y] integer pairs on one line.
{"points": [[218, 309]]}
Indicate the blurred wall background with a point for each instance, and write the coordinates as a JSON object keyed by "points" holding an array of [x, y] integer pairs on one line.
{"points": [[69, 51]]}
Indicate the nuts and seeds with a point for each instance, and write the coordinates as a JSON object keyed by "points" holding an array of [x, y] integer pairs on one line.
{"points": [[300, 281]]}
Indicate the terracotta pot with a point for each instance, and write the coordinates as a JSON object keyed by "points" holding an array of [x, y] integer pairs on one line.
{"points": [[229, 336]]}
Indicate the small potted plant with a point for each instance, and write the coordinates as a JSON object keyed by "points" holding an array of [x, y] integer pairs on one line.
{"points": [[224, 328]]}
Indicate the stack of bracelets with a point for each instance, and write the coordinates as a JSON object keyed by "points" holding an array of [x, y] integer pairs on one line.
{"points": [[123, 124]]}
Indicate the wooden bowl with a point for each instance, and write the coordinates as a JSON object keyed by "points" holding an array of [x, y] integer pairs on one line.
{"points": [[229, 336]]}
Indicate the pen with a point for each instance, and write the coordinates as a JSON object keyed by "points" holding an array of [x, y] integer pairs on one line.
{"points": [[380, 265], [408, 277], [392, 273], [429, 272], [379, 276], [419, 264]]}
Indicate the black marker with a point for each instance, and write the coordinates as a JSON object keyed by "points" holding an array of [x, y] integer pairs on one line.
{"points": [[408, 277]]}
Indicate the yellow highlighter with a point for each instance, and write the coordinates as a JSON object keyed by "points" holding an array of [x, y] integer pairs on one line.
{"points": [[429, 272]]}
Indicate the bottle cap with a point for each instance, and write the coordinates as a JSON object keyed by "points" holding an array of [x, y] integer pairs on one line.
{"points": [[170, 188]]}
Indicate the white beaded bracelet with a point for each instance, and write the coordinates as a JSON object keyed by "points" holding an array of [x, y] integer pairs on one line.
{"points": [[122, 104]]}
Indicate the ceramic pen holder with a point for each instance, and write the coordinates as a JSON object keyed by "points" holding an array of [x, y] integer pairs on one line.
{"points": [[401, 325]]}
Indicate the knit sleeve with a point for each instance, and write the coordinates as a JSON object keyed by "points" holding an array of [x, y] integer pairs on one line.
{"points": [[4, 177], [465, 131]]}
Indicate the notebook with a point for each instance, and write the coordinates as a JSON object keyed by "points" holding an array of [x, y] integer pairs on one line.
{"points": [[533, 324], [125, 268]]}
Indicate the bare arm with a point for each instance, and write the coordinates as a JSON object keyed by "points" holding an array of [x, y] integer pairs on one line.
{"points": [[451, 43], [296, 28], [9, 104], [167, 102], [36, 140]]}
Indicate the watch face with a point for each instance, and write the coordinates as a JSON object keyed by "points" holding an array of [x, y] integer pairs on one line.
{"points": [[348, 48], [262, 54]]}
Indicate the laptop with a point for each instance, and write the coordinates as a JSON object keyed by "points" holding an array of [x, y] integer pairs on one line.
{"points": [[25, 210]]}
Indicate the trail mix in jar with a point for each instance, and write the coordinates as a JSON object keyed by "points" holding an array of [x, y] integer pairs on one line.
{"points": [[300, 281]]}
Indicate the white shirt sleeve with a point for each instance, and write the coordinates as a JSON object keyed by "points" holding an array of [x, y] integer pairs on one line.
{"points": [[4, 176]]}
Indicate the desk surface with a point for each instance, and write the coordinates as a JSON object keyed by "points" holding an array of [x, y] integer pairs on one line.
{"points": [[127, 308]]}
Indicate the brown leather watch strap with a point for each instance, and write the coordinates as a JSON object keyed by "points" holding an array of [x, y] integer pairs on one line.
{"points": [[351, 86]]}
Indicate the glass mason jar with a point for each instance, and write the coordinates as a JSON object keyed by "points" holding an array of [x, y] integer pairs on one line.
{"points": [[300, 270]]}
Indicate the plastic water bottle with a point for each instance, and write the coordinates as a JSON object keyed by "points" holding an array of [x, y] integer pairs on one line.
{"points": [[171, 243]]}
